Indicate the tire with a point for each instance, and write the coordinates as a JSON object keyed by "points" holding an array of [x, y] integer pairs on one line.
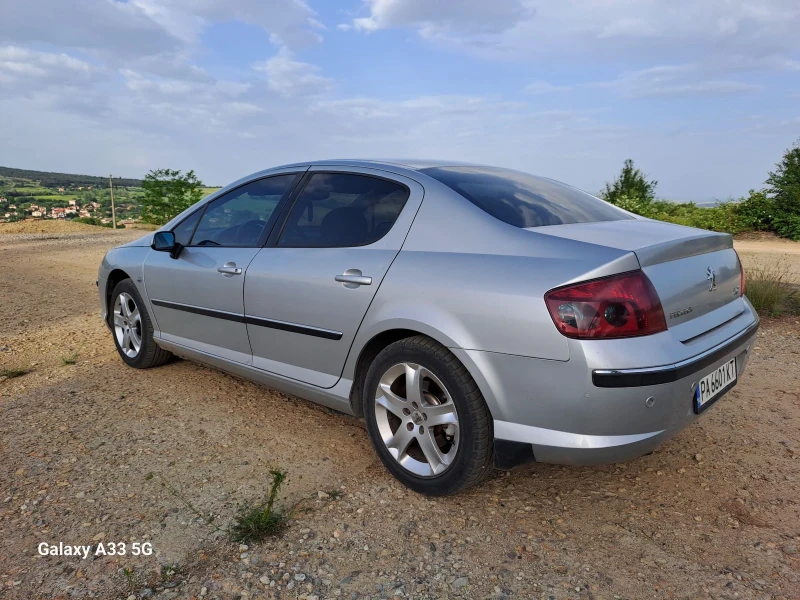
{"points": [[127, 311], [463, 454]]}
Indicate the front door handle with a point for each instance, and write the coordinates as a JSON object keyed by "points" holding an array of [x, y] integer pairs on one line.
{"points": [[352, 278], [230, 269]]}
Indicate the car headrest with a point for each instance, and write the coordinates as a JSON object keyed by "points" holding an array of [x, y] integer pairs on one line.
{"points": [[344, 226]]}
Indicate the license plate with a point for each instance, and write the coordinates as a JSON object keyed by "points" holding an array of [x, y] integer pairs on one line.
{"points": [[714, 385]]}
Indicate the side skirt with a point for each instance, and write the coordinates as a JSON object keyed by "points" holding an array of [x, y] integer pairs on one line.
{"points": [[336, 398]]}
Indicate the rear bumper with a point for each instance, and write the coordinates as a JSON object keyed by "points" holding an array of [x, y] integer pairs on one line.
{"points": [[625, 413], [611, 378]]}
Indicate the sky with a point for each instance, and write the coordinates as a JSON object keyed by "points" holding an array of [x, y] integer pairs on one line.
{"points": [[704, 95]]}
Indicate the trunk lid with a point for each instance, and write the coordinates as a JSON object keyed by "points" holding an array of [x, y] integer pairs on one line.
{"points": [[695, 272]]}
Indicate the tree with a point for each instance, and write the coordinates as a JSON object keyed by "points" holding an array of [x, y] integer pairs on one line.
{"points": [[631, 184], [167, 193], [783, 186]]}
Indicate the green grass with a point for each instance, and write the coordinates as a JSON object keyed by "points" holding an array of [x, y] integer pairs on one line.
{"points": [[252, 523], [54, 197], [168, 572], [255, 523], [129, 577], [769, 291], [32, 190], [12, 373]]}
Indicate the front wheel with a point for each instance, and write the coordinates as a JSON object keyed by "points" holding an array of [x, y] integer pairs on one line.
{"points": [[133, 329], [427, 418]]}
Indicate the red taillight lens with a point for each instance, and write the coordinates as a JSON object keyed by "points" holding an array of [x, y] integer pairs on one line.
{"points": [[624, 305], [741, 274]]}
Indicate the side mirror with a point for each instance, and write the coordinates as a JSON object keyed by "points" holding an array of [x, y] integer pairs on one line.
{"points": [[164, 241]]}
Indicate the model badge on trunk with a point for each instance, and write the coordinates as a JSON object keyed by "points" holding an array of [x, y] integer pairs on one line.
{"points": [[680, 313]]}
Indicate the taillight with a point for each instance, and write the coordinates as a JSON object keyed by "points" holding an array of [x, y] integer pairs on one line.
{"points": [[741, 274], [623, 305]]}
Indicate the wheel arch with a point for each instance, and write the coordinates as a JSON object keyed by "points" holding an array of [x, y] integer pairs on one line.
{"points": [[399, 330], [114, 277]]}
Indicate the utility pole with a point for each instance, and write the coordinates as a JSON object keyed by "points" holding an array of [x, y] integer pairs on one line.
{"points": [[113, 210]]}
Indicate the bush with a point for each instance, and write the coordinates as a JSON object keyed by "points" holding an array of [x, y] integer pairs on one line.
{"points": [[636, 205], [97, 222], [167, 193], [88, 221], [776, 208], [783, 186], [769, 291], [631, 183], [787, 225], [722, 217], [756, 212]]}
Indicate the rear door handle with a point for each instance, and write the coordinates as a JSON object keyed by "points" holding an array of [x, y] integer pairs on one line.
{"points": [[352, 278], [230, 269]]}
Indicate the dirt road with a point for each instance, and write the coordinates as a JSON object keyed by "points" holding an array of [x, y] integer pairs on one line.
{"points": [[767, 251], [94, 452]]}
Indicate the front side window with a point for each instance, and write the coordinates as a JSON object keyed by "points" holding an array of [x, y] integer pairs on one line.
{"points": [[183, 232], [524, 200], [337, 210], [240, 217]]}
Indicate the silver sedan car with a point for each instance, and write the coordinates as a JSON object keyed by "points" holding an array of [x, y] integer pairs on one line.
{"points": [[475, 317]]}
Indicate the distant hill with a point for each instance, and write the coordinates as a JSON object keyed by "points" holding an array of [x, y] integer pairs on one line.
{"points": [[56, 180]]}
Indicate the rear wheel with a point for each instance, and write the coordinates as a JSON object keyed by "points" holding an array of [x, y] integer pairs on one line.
{"points": [[132, 328], [427, 418]]}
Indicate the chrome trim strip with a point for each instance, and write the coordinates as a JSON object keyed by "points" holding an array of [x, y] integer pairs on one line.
{"points": [[752, 327], [516, 432], [672, 372]]}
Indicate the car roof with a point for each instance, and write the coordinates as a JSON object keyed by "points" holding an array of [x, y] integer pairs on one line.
{"points": [[413, 164]]}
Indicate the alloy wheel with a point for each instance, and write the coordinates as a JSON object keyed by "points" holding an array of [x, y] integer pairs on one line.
{"points": [[417, 419], [127, 325]]}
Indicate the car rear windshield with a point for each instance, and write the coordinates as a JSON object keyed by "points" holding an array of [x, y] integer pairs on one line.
{"points": [[524, 200]]}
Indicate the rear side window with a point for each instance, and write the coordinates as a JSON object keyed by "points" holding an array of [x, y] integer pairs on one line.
{"points": [[339, 210], [524, 200]]}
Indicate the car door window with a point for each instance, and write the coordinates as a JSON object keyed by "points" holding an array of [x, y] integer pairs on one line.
{"points": [[337, 210], [240, 217], [183, 232]]}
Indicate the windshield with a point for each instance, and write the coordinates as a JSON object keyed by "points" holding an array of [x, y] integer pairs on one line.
{"points": [[524, 200]]}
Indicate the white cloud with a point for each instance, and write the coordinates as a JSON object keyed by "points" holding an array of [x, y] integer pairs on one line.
{"points": [[449, 15], [123, 90], [113, 28], [607, 31], [290, 77], [29, 70], [543, 87], [291, 23], [155, 36], [226, 129], [674, 80]]}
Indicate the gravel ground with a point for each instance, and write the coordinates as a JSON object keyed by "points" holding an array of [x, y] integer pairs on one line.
{"points": [[93, 453]]}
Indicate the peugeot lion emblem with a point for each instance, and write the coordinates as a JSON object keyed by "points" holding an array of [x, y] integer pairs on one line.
{"points": [[712, 279]]}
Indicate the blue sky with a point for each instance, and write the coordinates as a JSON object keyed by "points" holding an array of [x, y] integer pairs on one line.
{"points": [[704, 95]]}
